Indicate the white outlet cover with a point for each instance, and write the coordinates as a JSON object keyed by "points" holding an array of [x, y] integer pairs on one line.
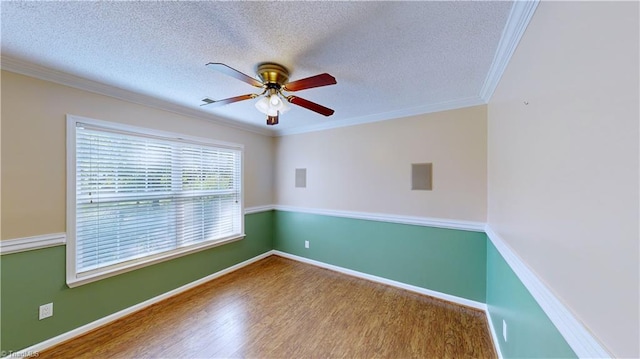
{"points": [[306, 244], [46, 311], [504, 330]]}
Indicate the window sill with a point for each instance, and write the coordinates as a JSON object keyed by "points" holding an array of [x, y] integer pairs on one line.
{"points": [[75, 280]]}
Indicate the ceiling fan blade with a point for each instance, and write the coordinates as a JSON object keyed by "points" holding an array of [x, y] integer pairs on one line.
{"points": [[311, 82], [310, 105], [208, 101], [229, 71]]}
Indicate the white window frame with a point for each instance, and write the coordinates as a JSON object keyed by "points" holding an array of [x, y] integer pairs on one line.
{"points": [[74, 278]]}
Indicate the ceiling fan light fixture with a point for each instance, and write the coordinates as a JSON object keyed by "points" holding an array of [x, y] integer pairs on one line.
{"points": [[270, 105], [284, 106], [263, 105], [274, 78], [274, 100]]}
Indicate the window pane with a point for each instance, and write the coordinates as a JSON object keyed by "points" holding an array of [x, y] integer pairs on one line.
{"points": [[138, 196]]}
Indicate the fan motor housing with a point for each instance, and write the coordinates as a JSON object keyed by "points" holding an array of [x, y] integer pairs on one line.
{"points": [[273, 74]]}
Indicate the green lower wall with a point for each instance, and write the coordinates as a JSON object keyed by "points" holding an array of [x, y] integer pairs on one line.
{"points": [[530, 332], [444, 260], [30, 279], [455, 262]]}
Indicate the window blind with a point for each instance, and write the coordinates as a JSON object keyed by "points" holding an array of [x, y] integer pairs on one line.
{"points": [[138, 196]]}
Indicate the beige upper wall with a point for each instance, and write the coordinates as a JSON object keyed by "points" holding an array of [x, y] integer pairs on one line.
{"points": [[367, 168], [563, 170], [34, 149]]}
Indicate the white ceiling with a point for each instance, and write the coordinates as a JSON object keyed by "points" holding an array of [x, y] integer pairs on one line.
{"points": [[390, 59]]}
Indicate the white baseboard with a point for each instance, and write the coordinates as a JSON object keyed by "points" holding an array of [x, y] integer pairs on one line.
{"points": [[393, 283], [581, 341], [37, 348], [492, 331], [412, 288]]}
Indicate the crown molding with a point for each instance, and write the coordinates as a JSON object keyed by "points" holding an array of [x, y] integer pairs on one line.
{"points": [[518, 20], [44, 73], [413, 111], [519, 17]]}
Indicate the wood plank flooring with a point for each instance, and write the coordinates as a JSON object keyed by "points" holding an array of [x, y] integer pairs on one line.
{"points": [[279, 308]]}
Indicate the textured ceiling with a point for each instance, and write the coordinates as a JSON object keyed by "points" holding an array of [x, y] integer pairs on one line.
{"points": [[389, 58]]}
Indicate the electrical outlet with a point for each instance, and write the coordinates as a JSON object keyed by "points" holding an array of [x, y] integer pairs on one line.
{"points": [[306, 244], [46, 311], [504, 330]]}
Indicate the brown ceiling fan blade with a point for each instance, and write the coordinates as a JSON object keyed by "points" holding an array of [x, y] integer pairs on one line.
{"points": [[208, 101], [311, 82], [310, 105], [229, 71]]}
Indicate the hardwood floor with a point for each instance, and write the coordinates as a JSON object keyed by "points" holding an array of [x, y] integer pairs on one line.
{"points": [[279, 308]]}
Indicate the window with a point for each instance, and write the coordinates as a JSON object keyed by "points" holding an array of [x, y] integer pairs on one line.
{"points": [[136, 197]]}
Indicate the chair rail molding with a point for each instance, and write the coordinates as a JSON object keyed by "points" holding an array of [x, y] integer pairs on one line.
{"points": [[391, 218], [581, 341], [16, 245]]}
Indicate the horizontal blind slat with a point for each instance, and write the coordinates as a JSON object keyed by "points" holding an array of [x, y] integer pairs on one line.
{"points": [[137, 195]]}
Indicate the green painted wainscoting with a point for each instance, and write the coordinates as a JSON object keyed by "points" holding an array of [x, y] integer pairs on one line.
{"points": [[455, 262], [32, 278], [444, 260], [531, 334]]}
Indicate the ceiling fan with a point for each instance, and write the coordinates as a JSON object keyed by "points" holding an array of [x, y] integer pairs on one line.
{"points": [[274, 79]]}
